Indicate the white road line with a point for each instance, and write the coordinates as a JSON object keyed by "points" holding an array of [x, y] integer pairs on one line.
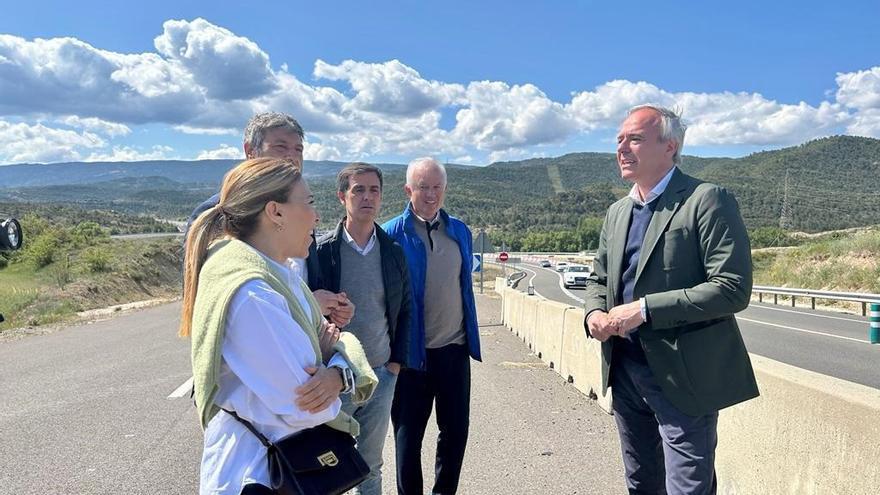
{"points": [[761, 305], [531, 280], [182, 390], [802, 330], [568, 292]]}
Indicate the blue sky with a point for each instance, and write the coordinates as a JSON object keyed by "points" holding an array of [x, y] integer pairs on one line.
{"points": [[471, 82]]}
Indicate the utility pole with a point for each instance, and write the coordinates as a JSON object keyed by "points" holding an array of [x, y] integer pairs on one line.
{"points": [[785, 213]]}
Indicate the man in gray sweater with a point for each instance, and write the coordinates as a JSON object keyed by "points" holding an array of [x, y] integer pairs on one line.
{"points": [[359, 259]]}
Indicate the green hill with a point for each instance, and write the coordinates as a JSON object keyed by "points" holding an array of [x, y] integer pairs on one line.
{"points": [[833, 183]]}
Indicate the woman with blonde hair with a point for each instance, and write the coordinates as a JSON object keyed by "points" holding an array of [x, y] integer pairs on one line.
{"points": [[260, 347]]}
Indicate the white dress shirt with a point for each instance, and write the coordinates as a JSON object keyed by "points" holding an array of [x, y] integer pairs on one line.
{"points": [[655, 192], [264, 356], [351, 242]]}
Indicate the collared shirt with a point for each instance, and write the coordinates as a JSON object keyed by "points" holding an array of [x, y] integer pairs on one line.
{"points": [[351, 242], [265, 354], [431, 221], [655, 193]]}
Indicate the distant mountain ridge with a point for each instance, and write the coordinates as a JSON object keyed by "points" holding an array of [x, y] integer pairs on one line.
{"points": [[186, 172], [824, 184]]}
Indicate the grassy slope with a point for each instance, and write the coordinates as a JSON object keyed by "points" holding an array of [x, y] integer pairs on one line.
{"points": [[843, 262], [137, 270]]}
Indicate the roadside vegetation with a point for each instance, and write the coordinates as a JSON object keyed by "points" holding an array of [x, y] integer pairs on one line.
{"points": [[839, 261], [67, 267], [70, 263]]}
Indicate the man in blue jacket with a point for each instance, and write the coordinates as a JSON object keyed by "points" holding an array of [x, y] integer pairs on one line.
{"points": [[444, 335]]}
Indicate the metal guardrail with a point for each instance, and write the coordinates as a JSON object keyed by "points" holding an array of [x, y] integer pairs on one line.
{"points": [[857, 297], [514, 278]]}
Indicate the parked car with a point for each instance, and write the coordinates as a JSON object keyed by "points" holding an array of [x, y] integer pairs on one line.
{"points": [[560, 266], [545, 263], [575, 276]]}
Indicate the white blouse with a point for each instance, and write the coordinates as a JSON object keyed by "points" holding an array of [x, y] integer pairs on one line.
{"points": [[265, 353]]}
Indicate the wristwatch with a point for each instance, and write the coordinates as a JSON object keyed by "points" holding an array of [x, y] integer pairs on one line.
{"points": [[347, 378]]}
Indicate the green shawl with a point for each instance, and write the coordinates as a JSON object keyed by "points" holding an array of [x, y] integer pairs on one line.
{"points": [[229, 265]]}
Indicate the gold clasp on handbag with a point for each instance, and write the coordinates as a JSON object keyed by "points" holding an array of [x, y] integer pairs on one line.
{"points": [[328, 459]]}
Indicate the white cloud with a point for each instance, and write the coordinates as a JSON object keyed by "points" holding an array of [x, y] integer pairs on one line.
{"points": [[390, 88], [714, 118], [222, 153], [859, 89], [227, 66], [110, 129], [130, 154], [206, 131], [24, 143], [321, 151], [866, 123], [606, 106], [498, 116], [203, 79]]}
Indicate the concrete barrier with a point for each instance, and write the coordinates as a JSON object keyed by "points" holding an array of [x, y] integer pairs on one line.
{"points": [[547, 338], [807, 434], [582, 359], [528, 319]]}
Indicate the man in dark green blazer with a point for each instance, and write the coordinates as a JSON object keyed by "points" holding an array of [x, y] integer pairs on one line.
{"points": [[672, 268]]}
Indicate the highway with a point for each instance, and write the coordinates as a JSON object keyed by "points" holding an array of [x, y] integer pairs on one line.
{"points": [[104, 408], [830, 343]]}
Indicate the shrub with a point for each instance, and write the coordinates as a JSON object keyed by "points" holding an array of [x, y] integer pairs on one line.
{"points": [[44, 248], [771, 237], [88, 233], [97, 259]]}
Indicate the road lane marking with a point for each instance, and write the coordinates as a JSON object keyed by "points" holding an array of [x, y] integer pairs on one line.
{"points": [[802, 330], [183, 390], [534, 274], [568, 292], [761, 306]]}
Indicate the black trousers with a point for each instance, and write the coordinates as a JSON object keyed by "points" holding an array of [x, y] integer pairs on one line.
{"points": [[446, 379]]}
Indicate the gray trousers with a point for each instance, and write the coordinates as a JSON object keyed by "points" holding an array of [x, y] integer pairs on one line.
{"points": [[664, 450]]}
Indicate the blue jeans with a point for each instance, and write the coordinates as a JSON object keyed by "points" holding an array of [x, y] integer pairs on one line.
{"points": [[373, 416]]}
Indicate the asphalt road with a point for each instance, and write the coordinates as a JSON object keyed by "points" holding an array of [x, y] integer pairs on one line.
{"points": [[830, 343], [86, 410]]}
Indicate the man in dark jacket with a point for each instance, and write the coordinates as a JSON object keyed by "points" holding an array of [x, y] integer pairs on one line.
{"points": [[359, 259], [279, 135], [672, 268]]}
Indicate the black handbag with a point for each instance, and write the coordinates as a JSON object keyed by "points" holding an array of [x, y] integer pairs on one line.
{"points": [[314, 461]]}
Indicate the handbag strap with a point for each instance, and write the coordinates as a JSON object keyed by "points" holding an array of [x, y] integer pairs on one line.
{"points": [[265, 441]]}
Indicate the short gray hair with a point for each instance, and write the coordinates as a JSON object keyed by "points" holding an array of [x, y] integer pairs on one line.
{"points": [[671, 126], [423, 161], [261, 123]]}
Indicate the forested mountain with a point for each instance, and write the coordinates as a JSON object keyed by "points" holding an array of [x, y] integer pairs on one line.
{"points": [[187, 172], [832, 183]]}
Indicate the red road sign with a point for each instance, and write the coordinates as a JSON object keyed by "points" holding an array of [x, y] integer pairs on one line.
{"points": [[502, 257]]}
